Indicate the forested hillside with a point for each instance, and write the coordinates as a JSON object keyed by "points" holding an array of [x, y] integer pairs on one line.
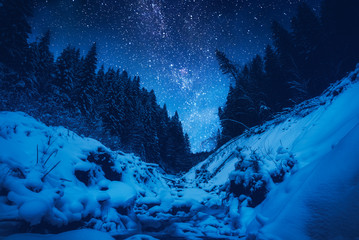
{"points": [[86, 152], [301, 63], [74, 91]]}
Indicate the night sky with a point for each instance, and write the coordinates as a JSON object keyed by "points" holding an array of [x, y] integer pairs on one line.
{"points": [[170, 44]]}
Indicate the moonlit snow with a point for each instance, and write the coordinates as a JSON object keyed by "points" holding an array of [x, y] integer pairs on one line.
{"points": [[295, 177]]}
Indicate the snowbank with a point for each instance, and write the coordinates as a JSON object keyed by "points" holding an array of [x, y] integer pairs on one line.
{"points": [[295, 177], [52, 178]]}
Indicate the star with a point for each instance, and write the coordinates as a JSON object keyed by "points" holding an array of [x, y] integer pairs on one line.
{"points": [[179, 37]]}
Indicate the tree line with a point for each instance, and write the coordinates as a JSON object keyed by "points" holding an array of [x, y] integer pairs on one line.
{"points": [[73, 91], [300, 64]]}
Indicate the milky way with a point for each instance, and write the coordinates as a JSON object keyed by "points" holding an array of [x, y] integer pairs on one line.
{"points": [[170, 44]]}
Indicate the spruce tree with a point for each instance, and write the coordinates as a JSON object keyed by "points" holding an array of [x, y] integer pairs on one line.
{"points": [[66, 73], [277, 88], [340, 20], [176, 150], [14, 32], [308, 40], [85, 88], [43, 64], [288, 57], [163, 123], [227, 66], [112, 111], [151, 129]]}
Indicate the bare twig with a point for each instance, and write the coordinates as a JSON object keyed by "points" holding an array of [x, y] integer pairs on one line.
{"points": [[42, 179], [236, 122], [37, 154], [54, 152]]}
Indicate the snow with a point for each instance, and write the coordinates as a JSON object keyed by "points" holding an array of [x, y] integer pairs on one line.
{"points": [[53, 180], [51, 175], [33, 211], [321, 201], [141, 237], [315, 198], [295, 177], [121, 194], [309, 131], [87, 234]]}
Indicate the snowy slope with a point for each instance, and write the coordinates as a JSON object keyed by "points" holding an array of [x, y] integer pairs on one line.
{"points": [[316, 198], [310, 130], [54, 181], [52, 178], [319, 202]]}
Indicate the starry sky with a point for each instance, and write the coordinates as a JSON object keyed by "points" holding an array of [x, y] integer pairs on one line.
{"points": [[170, 44]]}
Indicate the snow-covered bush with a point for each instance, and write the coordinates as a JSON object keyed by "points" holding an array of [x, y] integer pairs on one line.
{"points": [[255, 174], [284, 164]]}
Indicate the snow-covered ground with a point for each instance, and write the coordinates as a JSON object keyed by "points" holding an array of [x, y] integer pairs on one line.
{"points": [[295, 177], [315, 145], [53, 180]]}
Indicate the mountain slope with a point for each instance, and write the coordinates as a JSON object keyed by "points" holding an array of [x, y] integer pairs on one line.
{"points": [[295, 175]]}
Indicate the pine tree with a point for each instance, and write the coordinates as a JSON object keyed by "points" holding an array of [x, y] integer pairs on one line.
{"points": [[134, 129], [277, 88], [258, 88], [43, 64], [66, 73], [306, 30], [176, 149], [187, 144], [14, 32], [307, 38], [85, 88], [100, 92], [242, 108], [340, 20], [112, 111], [227, 67], [163, 123], [151, 115], [284, 45], [288, 57], [187, 158]]}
